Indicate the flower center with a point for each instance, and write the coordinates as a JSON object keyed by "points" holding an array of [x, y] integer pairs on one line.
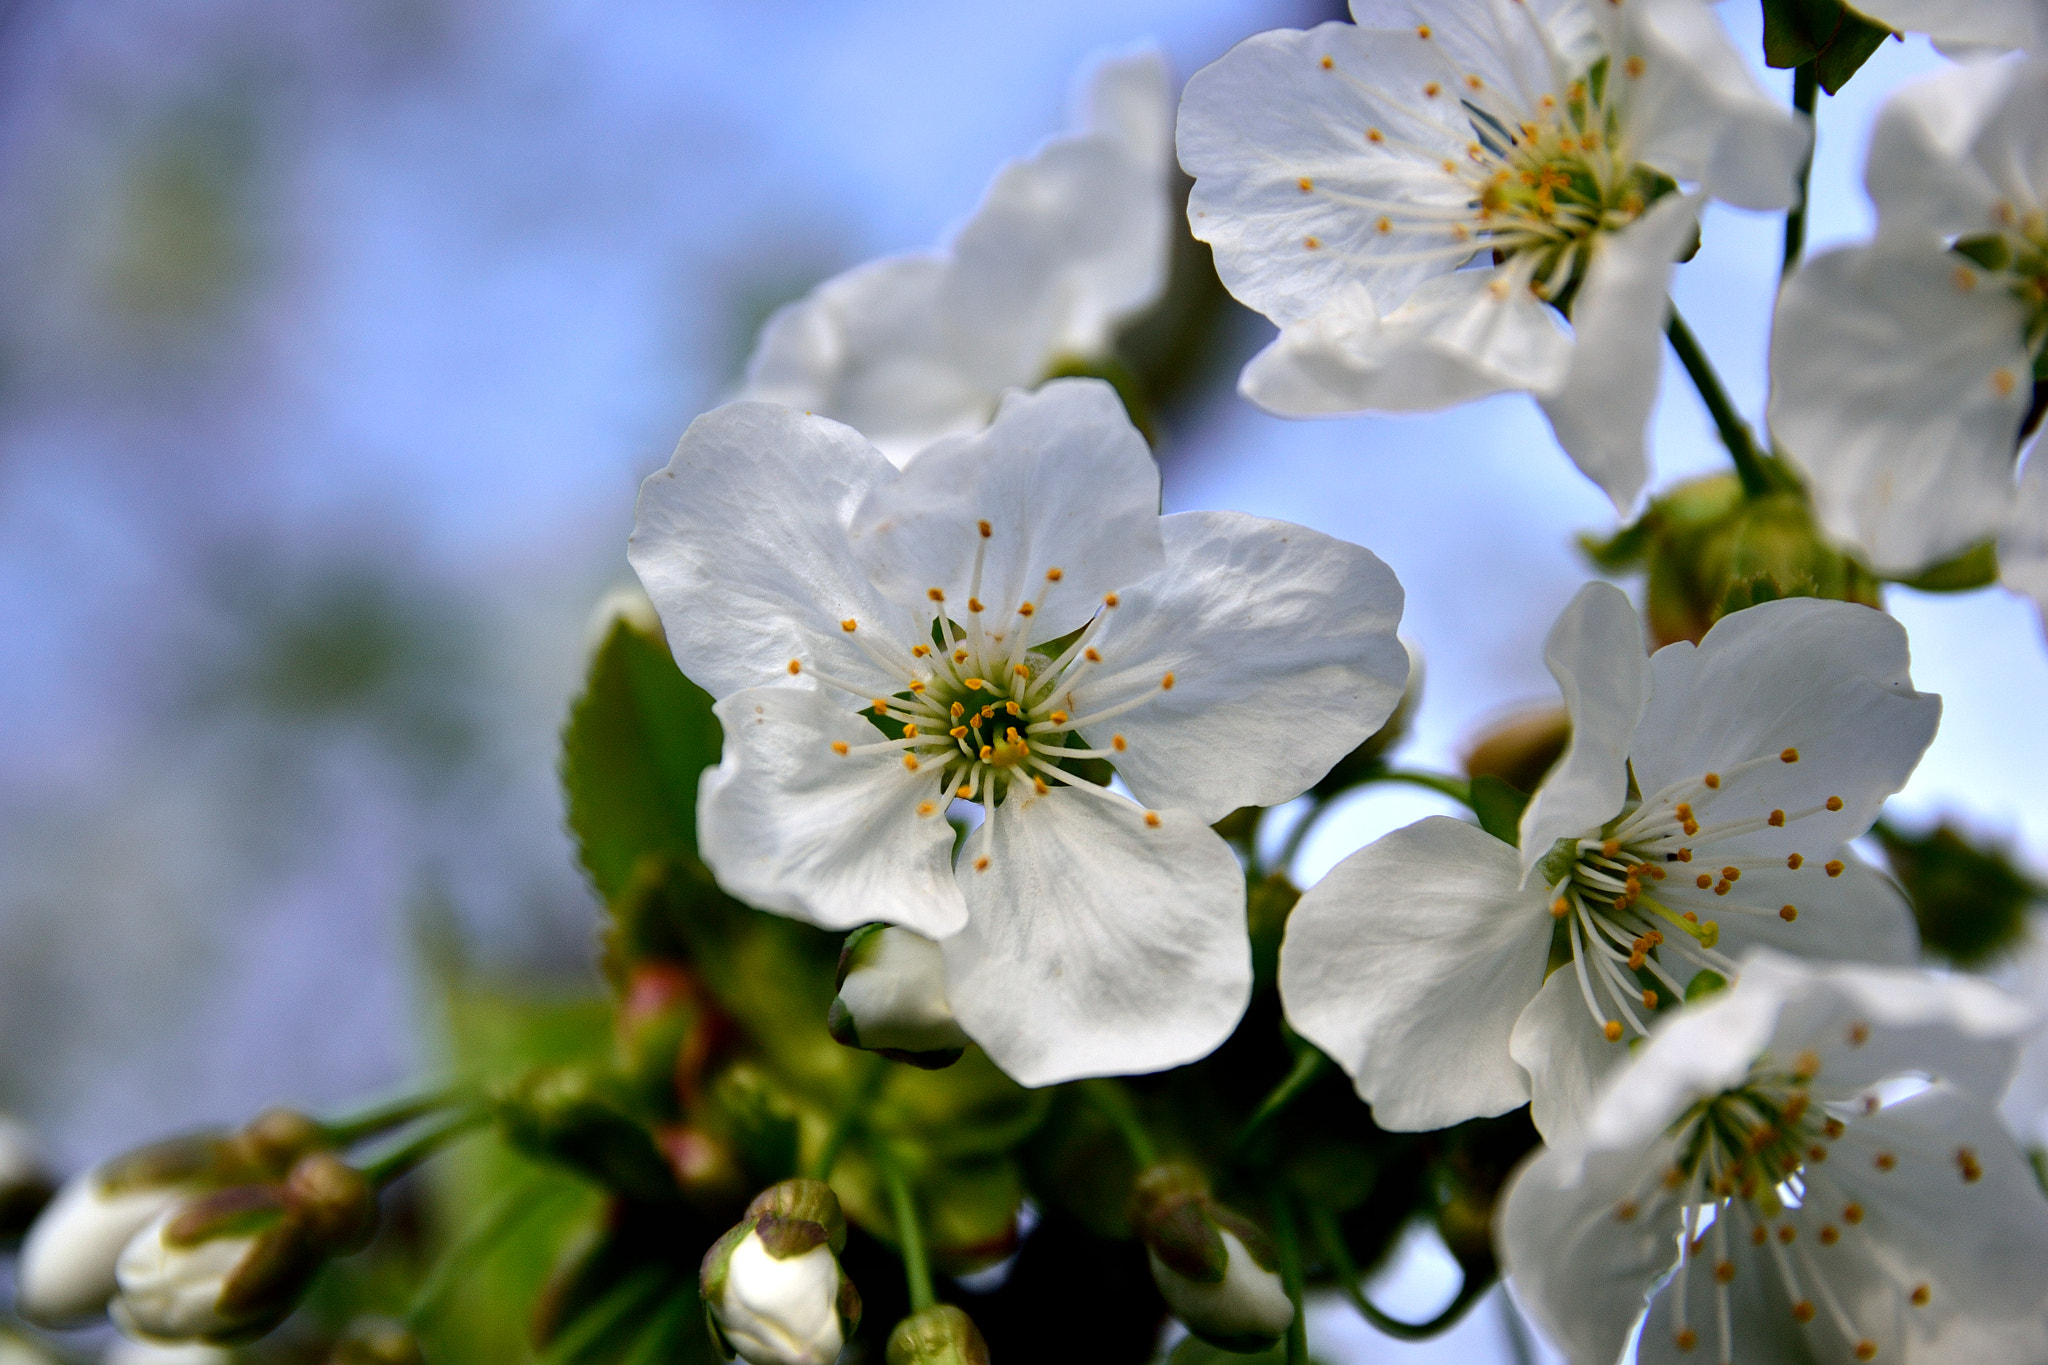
{"points": [[1635, 899], [981, 710], [2016, 255]]}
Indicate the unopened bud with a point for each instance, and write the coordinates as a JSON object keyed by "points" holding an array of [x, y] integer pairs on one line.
{"points": [[376, 1341], [573, 1115], [626, 603], [1216, 1270], [232, 1264], [1520, 748], [940, 1335], [892, 998], [122, 1351], [773, 1290]]}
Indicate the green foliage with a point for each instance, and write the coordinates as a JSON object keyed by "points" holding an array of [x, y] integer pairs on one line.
{"points": [[1976, 567], [1828, 33], [1971, 902], [1499, 807]]}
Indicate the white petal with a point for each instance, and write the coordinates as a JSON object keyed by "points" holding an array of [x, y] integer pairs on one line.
{"points": [[1456, 338], [1565, 1054], [1581, 1271], [1898, 381], [741, 542], [1063, 480], [869, 348], [1282, 647], [2023, 550], [1857, 916], [1129, 99], [1097, 943], [1760, 1319], [2012, 146], [787, 824], [1596, 653], [1409, 963], [896, 994], [1919, 172], [1698, 1051], [1697, 112], [1270, 114], [1603, 411], [2000, 25], [1827, 679], [1064, 246]]}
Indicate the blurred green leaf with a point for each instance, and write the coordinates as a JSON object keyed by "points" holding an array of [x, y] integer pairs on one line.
{"points": [[637, 741], [1976, 567], [1970, 901], [1828, 33], [1499, 807]]}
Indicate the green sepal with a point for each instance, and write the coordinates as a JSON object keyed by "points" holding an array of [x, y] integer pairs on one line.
{"points": [[783, 1237], [1558, 863], [1976, 567], [711, 1272], [1827, 33], [848, 1306], [241, 1211], [802, 1200], [1265, 1253], [1187, 1241], [939, 1335], [1499, 806], [1703, 984]]}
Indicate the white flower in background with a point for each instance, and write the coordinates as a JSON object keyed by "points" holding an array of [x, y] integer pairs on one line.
{"points": [[883, 643], [1454, 978], [66, 1271], [1066, 245], [1901, 371], [1408, 197], [772, 1285], [1217, 1270], [1965, 28], [125, 1352], [1816, 1162], [892, 998], [2023, 549]]}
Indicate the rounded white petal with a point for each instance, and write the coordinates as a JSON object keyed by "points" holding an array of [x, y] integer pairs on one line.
{"points": [[869, 348], [1409, 964], [66, 1271], [742, 544], [1130, 100], [1898, 381], [1996, 25], [897, 995], [1855, 916], [1456, 338], [1919, 172], [1596, 652], [1564, 1052], [1760, 1321], [174, 1292], [1281, 642], [782, 1312], [836, 840], [1270, 114], [1097, 942], [1249, 1301], [1828, 680], [1697, 111], [1602, 412], [2023, 549], [1063, 481], [1581, 1271]]}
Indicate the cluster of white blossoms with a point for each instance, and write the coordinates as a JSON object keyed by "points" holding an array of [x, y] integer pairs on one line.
{"points": [[932, 602]]}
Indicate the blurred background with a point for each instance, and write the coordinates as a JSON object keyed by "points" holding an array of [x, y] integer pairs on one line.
{"points": [[334, 340]]}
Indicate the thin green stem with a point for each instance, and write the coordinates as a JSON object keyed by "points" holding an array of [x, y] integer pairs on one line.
{"points": [[1115, 1104], [384, 1115], [597, 1321], [1332, 1239], [917, 1271], [410, 1153], [477, 1241], [657, 1340], [1735, 433], [1287, 1237], [1456, 788], [865, 1087], [1308, 1069], [1805, 93]]}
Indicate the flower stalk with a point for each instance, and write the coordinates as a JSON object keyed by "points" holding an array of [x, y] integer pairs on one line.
{"points": [[1735, 433], [917, 1271]]}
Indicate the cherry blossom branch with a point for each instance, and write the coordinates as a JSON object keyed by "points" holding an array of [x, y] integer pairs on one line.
{"points": [[1308, 1069], [1805, 95], [917, 1271], [1332, 1239], [1735, 433], [402, 1158]]}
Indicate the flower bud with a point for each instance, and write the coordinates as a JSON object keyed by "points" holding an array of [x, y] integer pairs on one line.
{"points": [[24, 1185], [232, 1264], [940, 1335], [1521, 748], [377, 1341], [892, 998], [574, 1116], [773, 1291], [1216, 1270], [122, 1351]]}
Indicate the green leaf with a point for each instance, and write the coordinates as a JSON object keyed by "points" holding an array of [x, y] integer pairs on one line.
{"points": [[1827, 33], [1704, 984], [1969, 899], [636, 743], [1976, 567], [1499, 807], [1854, 43]]}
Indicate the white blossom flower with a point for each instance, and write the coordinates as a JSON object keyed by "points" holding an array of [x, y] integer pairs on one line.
{"points": [[1901, 371], [1703, 805], [2023, 549], [892, 998], [1816, 1162], [973, 627], [1408, 198], [773, 1287], [66, 1271], [1067, 245], [1966, 28]]}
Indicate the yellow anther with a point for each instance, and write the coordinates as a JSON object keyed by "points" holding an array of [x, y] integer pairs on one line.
{"points": [[1713, 781], [1385, 224], [1966, 1162], [795, 667], [986, 529], [1733, 874], [926, 808], [1833, 803], [1611, 1030], [1025, 609], [1788, 756], [1475, 83], [1013, 709], [1866, 1349], [981, 864], [987, 752], [1375, 135], [1611, 848], [1329, 62], [1649, 1000], [1683, 810], [1775, 819], [1966, 278], [1724, 1271], [839, 746], [1921, 1294], [1704, 880], [1691, 827], [1311, 242], [1021, 670], [1116, 742], [1058, 718], [1685, 855], [989, 712], [910, 731], [1829, 1234], [958, 710], [1625, 1211], [1788, 913], [2002, 382], [1110, 599], [1091, 656], [880, 705], [1559, 908], [849, 625], [1885, 1161], [1833, 867], [975, 684], [1432, 90], [1794, 861], [1802, 1311], [1806, 1066], [1038, 785], [1306, 184], [974, 604], [963, 791], [1833, 1129], [916, 687], [1152, 818], [1422, 31], [1685, 1338], [1852, 1214], [1054, 575], [936, 594], [910, 762], [1166, 683], [958, 732]]}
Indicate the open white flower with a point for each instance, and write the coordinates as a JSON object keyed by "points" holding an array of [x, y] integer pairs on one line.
{"points": [[1007, 607], [1704, 804], [1815, 1160], [1901, 371], [1964, 28], [1067, 244], [1408, 197]]}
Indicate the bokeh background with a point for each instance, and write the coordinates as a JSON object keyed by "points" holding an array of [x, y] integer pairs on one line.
{"points": [[334, 339]]}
